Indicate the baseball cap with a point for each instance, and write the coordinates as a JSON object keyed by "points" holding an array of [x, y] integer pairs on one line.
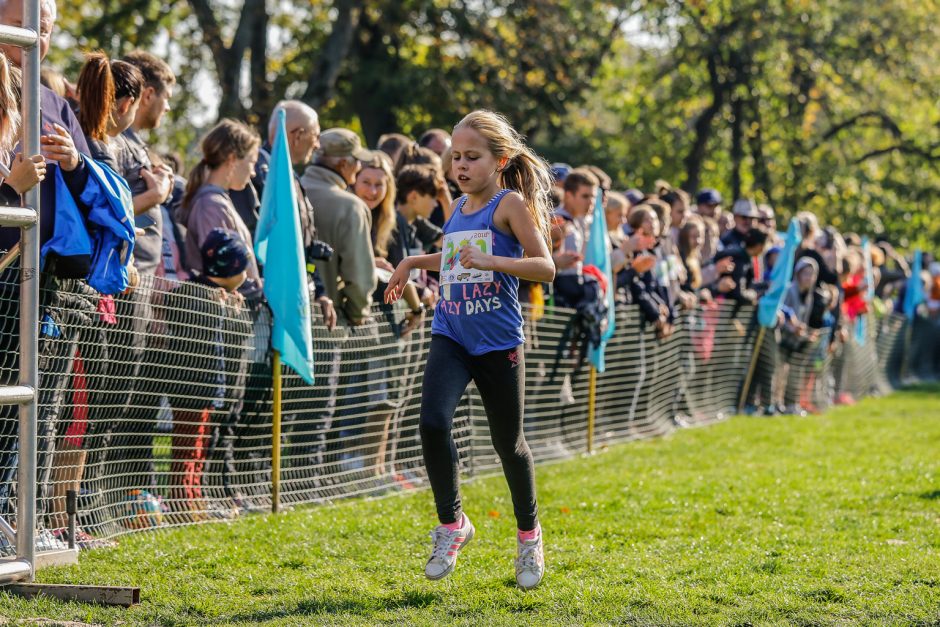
{"points": [[560, 171], [342, 142], [224, 254], [746, 208], [708, 196], [635, 196]]}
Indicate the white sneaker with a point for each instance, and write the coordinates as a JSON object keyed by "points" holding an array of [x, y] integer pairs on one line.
{"points": [[447, 544], [530, 563]]}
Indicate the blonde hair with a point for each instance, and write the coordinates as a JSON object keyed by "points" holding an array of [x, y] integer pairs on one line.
{"points": [[9, 105], [525, 172], [383, 222]]}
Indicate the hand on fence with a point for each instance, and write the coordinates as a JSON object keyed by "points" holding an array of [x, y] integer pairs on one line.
{"points": [[60, 148], [328, 311], [413, 319], [687, 300], [26, 173], [726, 284], [133, 279]]}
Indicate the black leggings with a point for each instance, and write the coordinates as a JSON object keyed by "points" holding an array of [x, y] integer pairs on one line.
{"points": [[500, 378]]}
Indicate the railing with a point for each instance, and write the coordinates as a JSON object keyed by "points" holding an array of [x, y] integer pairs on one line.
{"points": [[20, 566]]}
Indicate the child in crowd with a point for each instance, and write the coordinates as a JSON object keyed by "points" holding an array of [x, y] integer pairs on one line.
{"points": [[197, 312], [497, 233], [639, 279]]}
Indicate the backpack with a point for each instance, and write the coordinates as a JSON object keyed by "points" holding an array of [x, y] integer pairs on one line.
{"points": [[589, 322]]}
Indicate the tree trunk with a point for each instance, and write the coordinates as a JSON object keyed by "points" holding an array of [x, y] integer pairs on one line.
{"points": [[261, 101], [756, 141], [229, 59], [737, 145], [703, 128], [322, 81]]}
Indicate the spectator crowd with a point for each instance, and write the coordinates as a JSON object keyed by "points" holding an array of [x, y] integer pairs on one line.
{"points": [[182, 311]]}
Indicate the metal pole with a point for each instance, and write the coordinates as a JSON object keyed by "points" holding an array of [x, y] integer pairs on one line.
{"points": [[592, 397], [276, 437], [29, 307], [751, 368]]}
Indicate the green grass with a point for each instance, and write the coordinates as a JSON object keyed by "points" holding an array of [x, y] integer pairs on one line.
{"points": [[832, 519]]}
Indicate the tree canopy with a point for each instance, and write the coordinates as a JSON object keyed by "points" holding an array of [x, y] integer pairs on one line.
{"points": [[807, 104]]}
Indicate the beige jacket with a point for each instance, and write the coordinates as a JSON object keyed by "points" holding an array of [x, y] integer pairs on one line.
{"points": [[344, 222]]}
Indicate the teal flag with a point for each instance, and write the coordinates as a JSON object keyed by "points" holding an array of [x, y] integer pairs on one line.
{"points": [[914, 293], [780, 277], [598, 254], [285, 274]]}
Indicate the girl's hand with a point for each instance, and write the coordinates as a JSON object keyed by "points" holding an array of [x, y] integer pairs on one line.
{"points": [[383, 264], [25, 174], [472, 258], [398, 282]]}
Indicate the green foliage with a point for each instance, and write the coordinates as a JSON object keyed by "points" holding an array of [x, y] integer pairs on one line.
{"points": [[817, 104], [834, 105], [827, 520]]}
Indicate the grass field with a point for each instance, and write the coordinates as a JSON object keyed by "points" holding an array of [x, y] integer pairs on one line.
{"points": [[832, 519]]}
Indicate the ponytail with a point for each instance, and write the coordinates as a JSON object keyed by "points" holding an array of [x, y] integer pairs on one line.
{"points": [[225, 139], [197, 178], [96, 93], [525, 172], [529, 175], [9, 106]]}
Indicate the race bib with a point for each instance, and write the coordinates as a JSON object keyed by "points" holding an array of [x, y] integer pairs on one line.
{"points": [[451, 270]]}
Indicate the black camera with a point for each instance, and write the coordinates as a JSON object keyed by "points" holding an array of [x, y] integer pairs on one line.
{"points": [[319, 250]]}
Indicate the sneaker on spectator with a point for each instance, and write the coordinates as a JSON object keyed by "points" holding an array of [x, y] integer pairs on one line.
{"points": [[447, 544], [530, 562], [47, 541], [845, 398]]}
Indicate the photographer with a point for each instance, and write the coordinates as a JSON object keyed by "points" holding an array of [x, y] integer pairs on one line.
{"points": [[344, 222]]}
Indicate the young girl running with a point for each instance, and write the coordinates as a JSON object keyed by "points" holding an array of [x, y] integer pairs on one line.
{"points": [[496, 235]]}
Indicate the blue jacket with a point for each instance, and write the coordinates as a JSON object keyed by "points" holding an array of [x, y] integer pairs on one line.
{"points": [[106, 235]]}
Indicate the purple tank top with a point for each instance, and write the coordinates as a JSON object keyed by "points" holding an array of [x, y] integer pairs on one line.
{"points": [[478, 310]]}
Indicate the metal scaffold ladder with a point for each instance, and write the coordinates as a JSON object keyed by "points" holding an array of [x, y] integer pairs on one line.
{"points": [[22, 567], [17, 573]]}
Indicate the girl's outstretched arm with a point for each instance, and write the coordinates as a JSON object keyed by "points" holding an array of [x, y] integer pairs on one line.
{"points": [[400, 277], [537, 265]]}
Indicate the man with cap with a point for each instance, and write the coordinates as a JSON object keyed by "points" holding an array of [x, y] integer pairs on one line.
{"points": [[746, 217], [344, 222], [708, 203]]}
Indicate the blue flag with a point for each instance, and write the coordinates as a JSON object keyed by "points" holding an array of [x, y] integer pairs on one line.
{"points": [[598, 254], [914, 293], [861, 323], [285, 274], [780, 277]]}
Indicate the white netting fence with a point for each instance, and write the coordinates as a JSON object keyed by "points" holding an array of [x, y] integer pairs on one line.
{"points": [[157, 408]]}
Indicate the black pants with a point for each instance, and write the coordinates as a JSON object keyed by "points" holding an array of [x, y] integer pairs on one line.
{"points": [[500, 379]]}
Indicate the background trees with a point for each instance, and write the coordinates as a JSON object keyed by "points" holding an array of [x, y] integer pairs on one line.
{"points": [[819, 104]]}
